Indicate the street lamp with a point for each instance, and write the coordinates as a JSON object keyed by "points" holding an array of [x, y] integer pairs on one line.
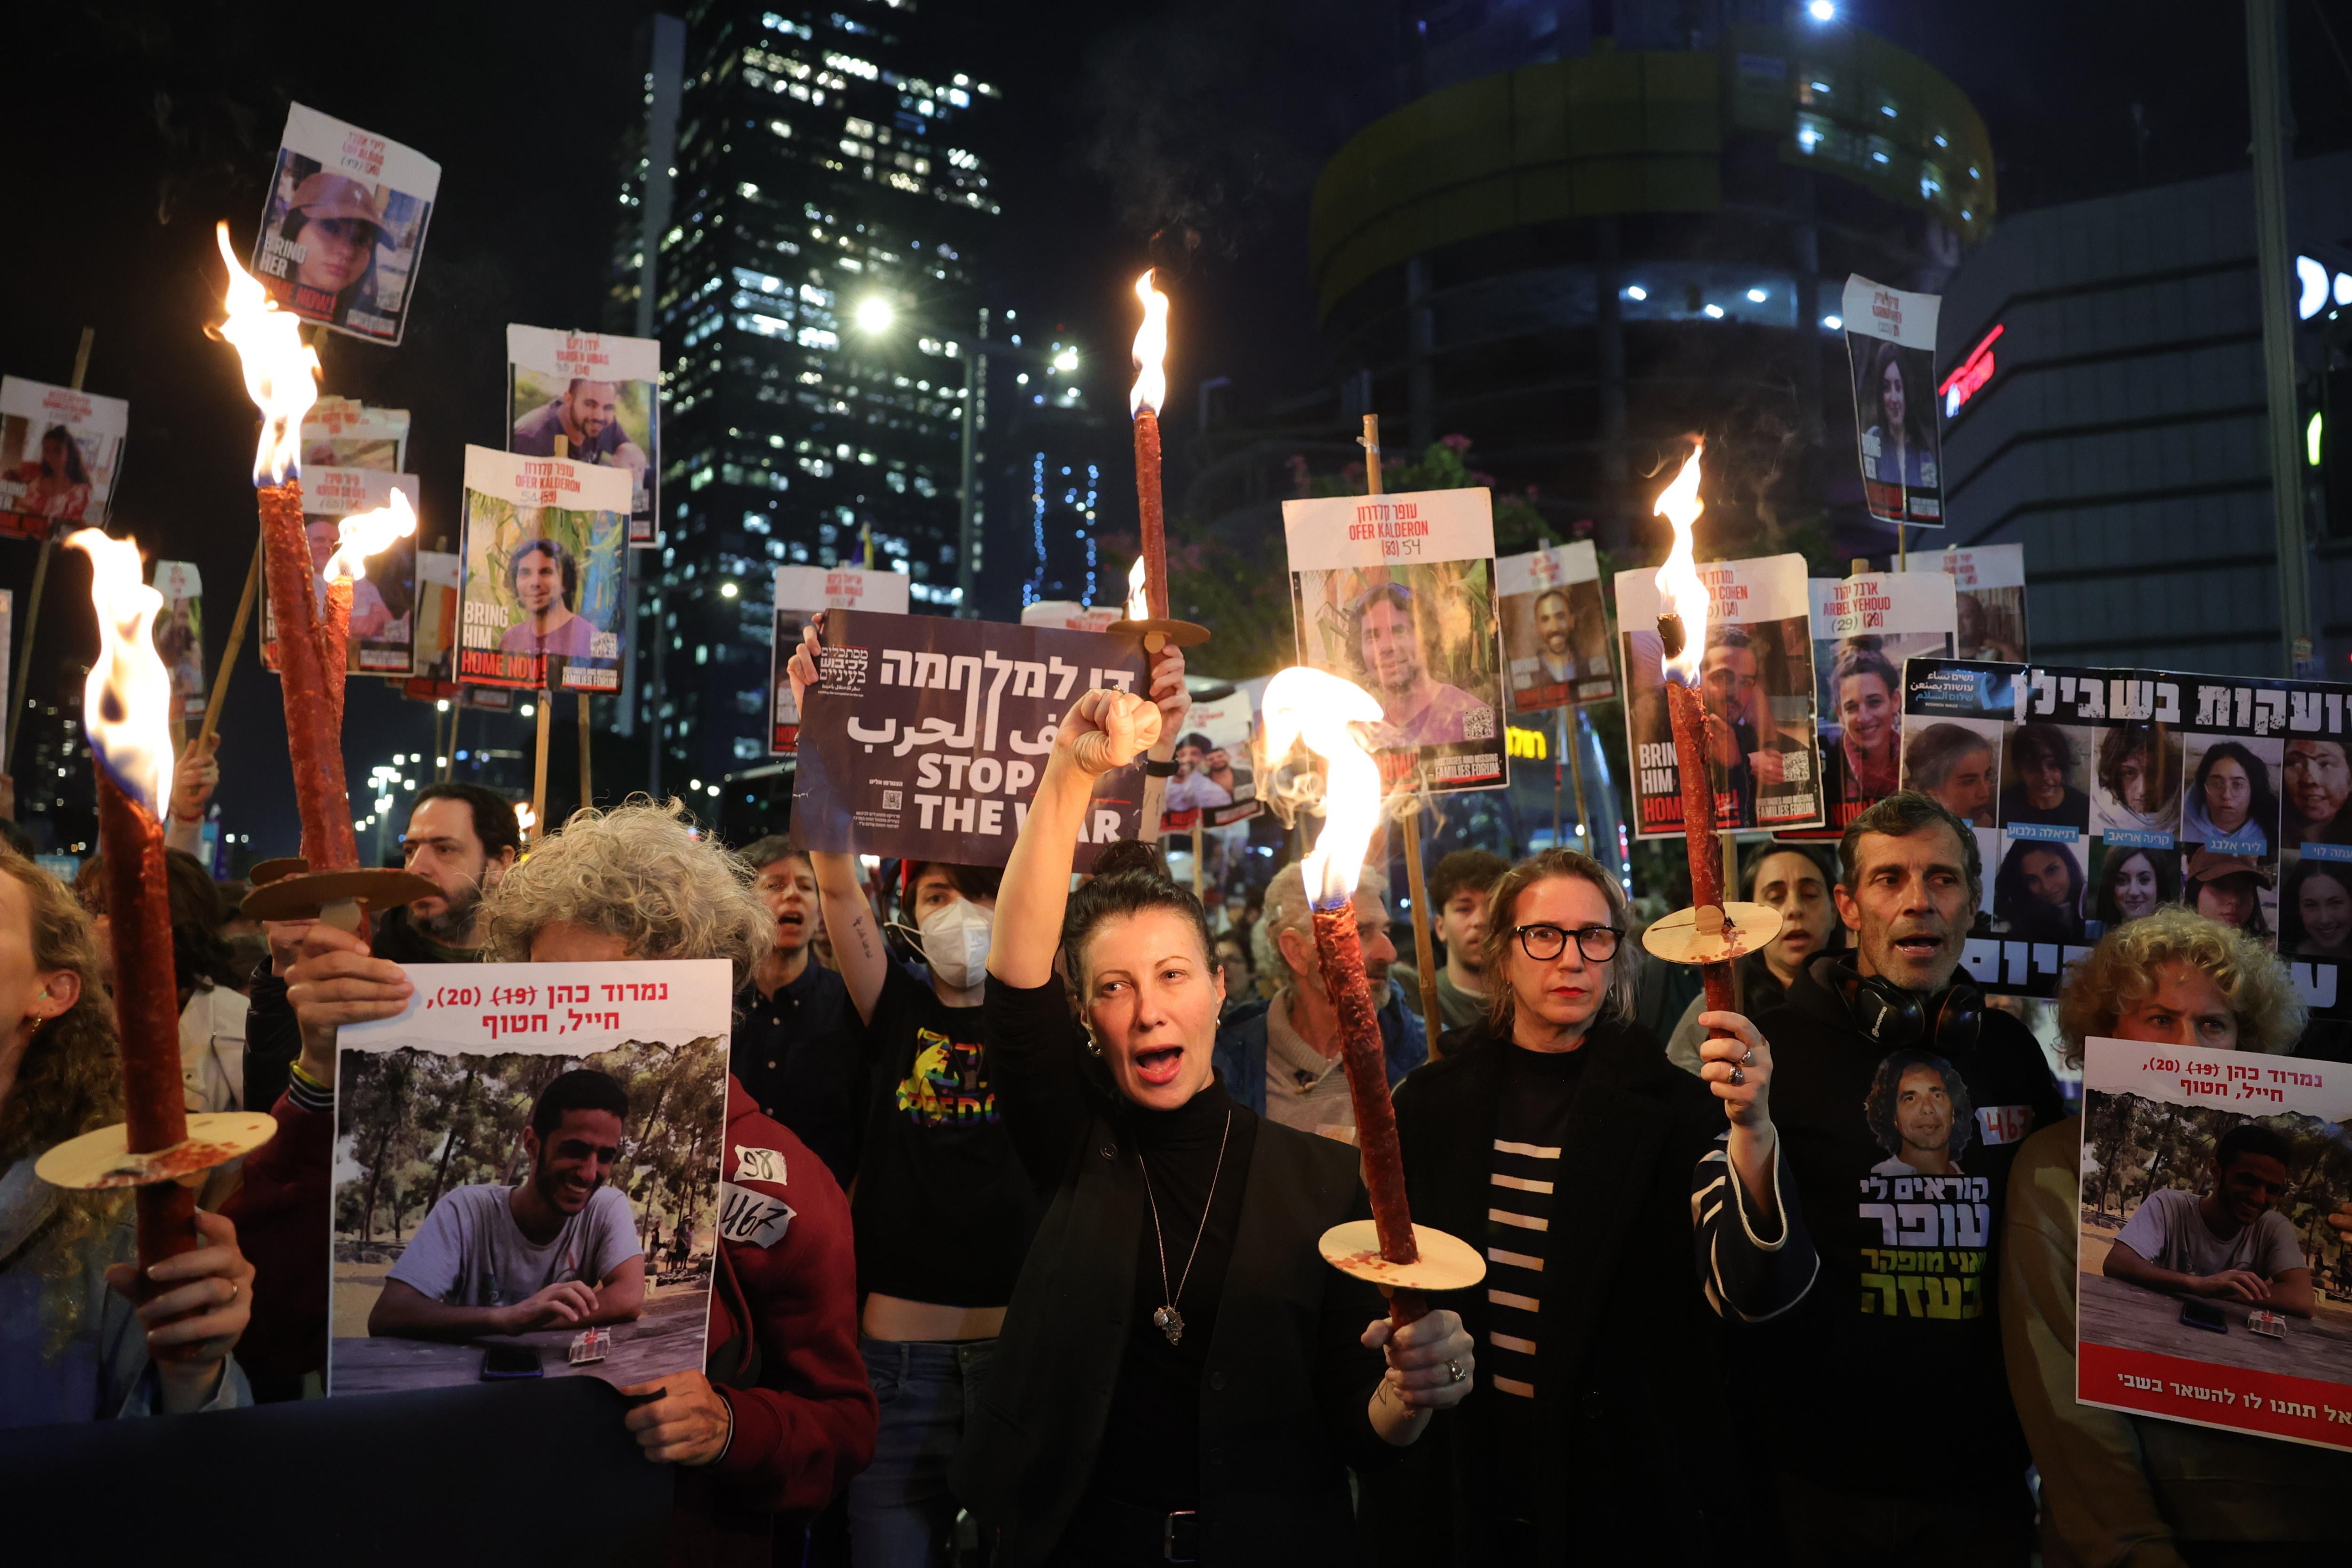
{"points": [[875, 314], [1823, 10]]}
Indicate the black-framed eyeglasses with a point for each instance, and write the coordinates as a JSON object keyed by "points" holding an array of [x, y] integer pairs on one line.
{"points": [[1545, 942]]}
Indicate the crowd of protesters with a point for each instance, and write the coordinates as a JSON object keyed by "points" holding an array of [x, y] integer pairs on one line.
{"points": [[1074, 1312]]}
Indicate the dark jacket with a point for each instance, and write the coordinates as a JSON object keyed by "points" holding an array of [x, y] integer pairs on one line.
{"points": [[1274, 1453], [273, 1040], [1241, 1046], [1631, 1398]]}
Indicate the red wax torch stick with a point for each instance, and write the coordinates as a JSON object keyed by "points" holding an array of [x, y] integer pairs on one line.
{"points": [[314, 738], [1687, 709], [1342, 954]]}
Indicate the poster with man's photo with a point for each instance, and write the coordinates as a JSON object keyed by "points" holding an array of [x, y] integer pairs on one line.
{"points": [[2210, 1276], [1756, 677], [1890, 341], [383, 602], [543, 573], [180, 632], [343, 229], [437, 573], [1990, 606], [2100, 796], [60, 451], [1555, 628], [1863, 628], [347, 434], [1215, 783], [532, 1176], [598, 394], [800, 592], [1396, 593], [924, 737]]}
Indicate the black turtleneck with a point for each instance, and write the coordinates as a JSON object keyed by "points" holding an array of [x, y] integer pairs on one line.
{"points": [[1151, 1453]]}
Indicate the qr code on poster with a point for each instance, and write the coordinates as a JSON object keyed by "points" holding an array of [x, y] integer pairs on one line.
{"points": [[1797, 767], [894, 800], [1478, 723]]}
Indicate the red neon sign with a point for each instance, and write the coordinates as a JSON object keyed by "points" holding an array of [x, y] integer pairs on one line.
{"points": [[1974, 372]]}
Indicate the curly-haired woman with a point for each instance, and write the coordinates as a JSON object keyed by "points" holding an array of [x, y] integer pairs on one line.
{"points": [[2118, 1488], [72, 1346], [784, 1416]]}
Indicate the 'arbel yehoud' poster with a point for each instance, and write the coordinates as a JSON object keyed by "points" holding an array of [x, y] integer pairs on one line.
{"points": [[1863, 628], [924, 738], [601, 395], [2098, 795], [59, 453], [1555, 628], [1396, 593], [1755, 673], [383, 602], [544, 561], [180, 632], [343, 229], [1215, 783], [800, 592], [1890, 341], [2209, 1278], [532, 1176], [1990, 606]]}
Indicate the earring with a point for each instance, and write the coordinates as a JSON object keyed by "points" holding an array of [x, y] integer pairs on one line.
{"points": [[1093, 1046]]}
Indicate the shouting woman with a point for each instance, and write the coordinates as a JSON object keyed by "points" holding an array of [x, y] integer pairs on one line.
{"points": [[1182, 1377]]}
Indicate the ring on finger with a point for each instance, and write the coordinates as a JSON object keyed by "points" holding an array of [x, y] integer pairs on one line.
{"points": [[1739, 1076], [1747, 1058], [1453, 1373]]}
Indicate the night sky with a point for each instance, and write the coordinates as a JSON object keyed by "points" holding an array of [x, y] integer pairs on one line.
{"points": [[136, 126]]}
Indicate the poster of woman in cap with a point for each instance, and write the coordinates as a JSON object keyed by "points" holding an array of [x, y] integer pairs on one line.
{"points": [[1890, 337], [344, 225]]}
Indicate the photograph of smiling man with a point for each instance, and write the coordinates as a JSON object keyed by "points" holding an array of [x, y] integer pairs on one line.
{"points": [[544, 572], [601, 395]]}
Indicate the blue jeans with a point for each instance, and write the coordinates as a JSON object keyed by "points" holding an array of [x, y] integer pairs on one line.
{"points": [[901, 1514]]}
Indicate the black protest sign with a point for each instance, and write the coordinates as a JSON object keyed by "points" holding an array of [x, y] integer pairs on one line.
{"points": [[924, 738]]}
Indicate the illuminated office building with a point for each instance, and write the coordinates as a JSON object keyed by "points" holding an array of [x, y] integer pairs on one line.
{"points": [[804, 254]]}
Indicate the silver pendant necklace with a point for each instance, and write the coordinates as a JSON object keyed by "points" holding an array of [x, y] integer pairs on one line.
{"points": [[1168, 1319]]}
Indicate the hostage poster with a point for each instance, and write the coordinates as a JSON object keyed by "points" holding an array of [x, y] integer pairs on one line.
{"points": [[344, 225], [60, 451], [1070, 616], [1863, 628], [2099, 796], [383, 602], [601, 395], [924, 738], [1990, 605], [180, 634], [1555, 630], [800, 592], [544, 562], [1396, 593], [532, 1177], [1756, 674], [343, 433], [1215, 783], [436, 626], [2210, 1270], [1890, 341]]}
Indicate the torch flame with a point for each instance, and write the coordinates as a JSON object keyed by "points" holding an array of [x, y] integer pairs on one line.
{"points": [[365, 533], [1680, 592], [126, 702], [1318, 708], [281, 372], [1151, 350], [1138, 602]]}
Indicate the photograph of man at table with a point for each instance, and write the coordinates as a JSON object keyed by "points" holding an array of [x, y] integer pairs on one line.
{"points": [[560, 1249]]}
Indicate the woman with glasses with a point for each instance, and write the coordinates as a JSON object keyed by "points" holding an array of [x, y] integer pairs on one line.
{"points": [[1557, 1138]]}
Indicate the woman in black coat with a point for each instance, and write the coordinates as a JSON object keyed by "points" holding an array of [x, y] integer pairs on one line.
{"points": [[1555, 1135], [1180, 1377]]}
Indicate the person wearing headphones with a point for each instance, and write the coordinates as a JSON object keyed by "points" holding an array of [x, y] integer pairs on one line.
{"points": [[1901, 1099]]}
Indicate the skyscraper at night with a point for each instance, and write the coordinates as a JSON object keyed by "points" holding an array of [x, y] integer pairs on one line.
{"points": [[804, 254]]}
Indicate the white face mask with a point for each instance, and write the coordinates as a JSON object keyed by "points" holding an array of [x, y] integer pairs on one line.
{"points": [[955, 943]]}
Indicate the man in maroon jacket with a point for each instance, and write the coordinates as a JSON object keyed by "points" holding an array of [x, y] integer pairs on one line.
{"points": [[784, 1415]]}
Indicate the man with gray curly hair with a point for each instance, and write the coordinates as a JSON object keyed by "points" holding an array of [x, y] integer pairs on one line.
{"points": [[784, 1415], [2118, 1488]]}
